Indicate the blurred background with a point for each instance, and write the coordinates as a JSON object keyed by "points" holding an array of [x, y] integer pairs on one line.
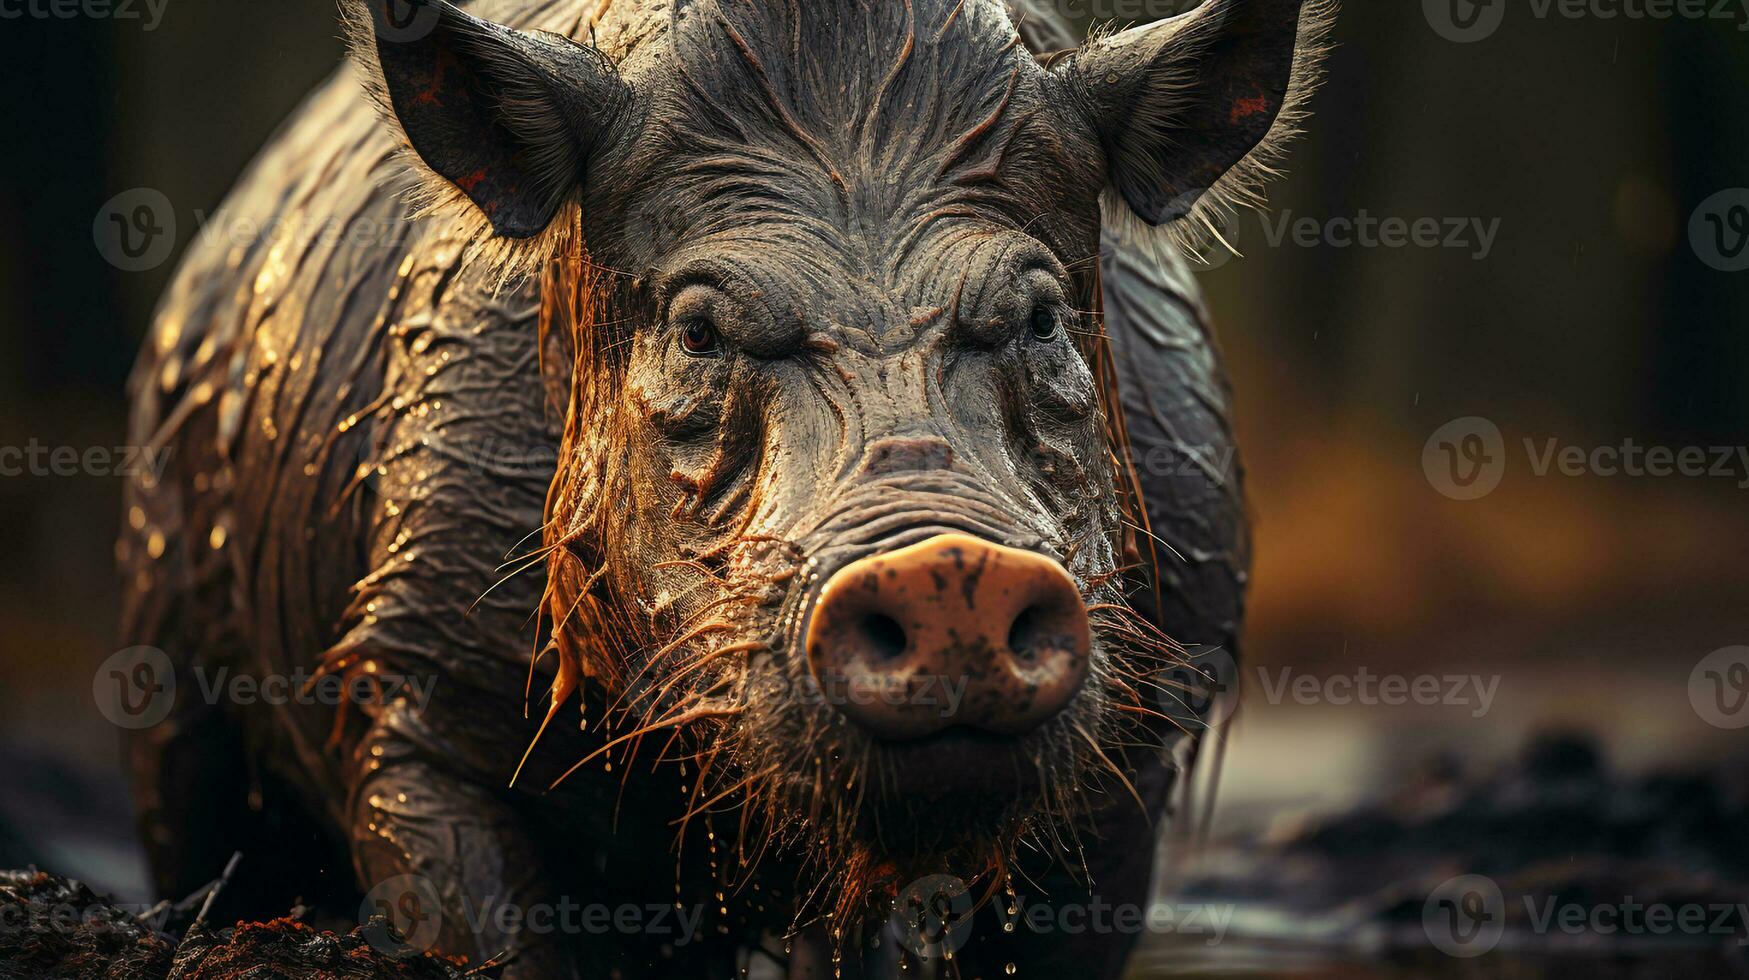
{"points": [[1585, 174]]}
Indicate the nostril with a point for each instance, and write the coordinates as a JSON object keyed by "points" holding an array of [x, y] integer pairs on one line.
{"points": [[1023, 635], [884, 634]]}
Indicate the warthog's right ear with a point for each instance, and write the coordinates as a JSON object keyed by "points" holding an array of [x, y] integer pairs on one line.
{"points": [[508, 119], [1194, 111]]}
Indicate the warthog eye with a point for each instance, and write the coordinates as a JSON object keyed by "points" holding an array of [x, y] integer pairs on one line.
{"points": [[1046, 324], [698, 337]]}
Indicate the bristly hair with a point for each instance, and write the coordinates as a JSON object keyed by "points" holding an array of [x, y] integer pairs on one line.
{"points": [[1244, 185], [505, 260]]}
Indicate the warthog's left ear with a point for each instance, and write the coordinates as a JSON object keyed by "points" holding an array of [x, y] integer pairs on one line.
{"points": [[1194, 111], [506, 119]]}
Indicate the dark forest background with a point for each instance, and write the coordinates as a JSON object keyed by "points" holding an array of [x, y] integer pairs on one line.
{"points": [[1592, 320]]}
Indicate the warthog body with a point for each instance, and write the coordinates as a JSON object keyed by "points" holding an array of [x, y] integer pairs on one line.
{"points": [[719, 318]]}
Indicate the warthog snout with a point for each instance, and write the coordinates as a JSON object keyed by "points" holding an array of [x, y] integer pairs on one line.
{"points": [[951, 631]]}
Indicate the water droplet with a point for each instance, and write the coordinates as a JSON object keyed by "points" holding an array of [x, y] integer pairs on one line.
{"points": [[170, 373]]}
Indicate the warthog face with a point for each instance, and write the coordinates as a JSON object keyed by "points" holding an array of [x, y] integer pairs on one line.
{"points": [[837, 497]]}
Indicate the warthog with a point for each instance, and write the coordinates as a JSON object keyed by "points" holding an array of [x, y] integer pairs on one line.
{"points": [[748, 380]]}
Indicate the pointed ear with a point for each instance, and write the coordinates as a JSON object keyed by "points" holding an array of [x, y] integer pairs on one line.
{"points": [[1194, 111], [506, 119]]}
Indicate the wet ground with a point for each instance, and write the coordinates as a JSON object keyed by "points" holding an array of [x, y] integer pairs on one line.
{"points": [[1510, 842]]}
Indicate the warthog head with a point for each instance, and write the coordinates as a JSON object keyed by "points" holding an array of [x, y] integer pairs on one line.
{"points": [[837, 499]]}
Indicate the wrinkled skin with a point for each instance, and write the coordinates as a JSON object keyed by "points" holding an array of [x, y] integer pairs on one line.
{"points": [[894, 345]]}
